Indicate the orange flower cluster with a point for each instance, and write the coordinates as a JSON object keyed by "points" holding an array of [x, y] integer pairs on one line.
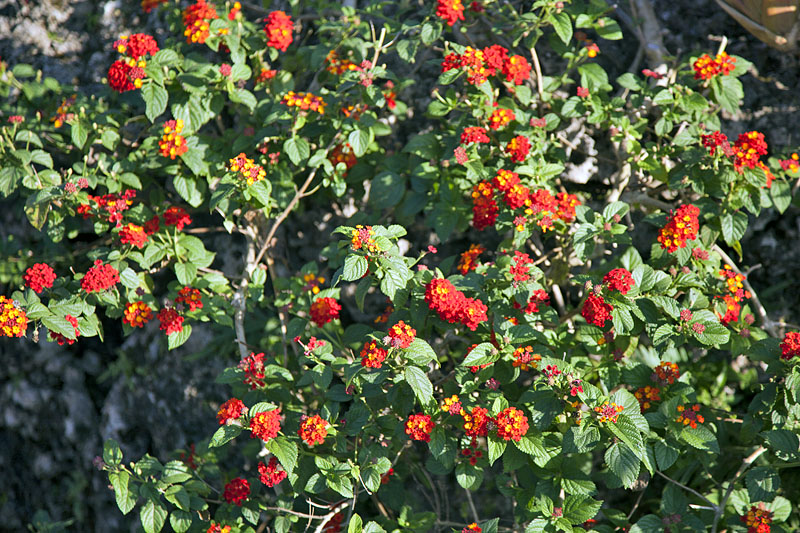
{"points": [[401, 335], [706, 67], [734, 282], [757, 519], [518, 148], [451, 405], [196, 19], [790, 347], [681, 227], [230, 411], [247, 169], [476, 422], [304, 101], [512, 424], [665, 373], [452, 306], [312, 282], [323, 310], [266, 424], [134, 235], [176, 216], [343, 153], [451, 11], [419, 427], [525, 359], [500, 117], [469, 259], [647, 395], [480, 64], [372, 356], [362, 239], [484, 207], [472, 528], [13, 320], [172, 143], [689, 417], [608, 412], [213, 528], [190, 297], [279, 30], [596, 311], [339, 66], [313, 430], [137, 314], [620, 280], [61, 115], [474, 134], [792, 164]]}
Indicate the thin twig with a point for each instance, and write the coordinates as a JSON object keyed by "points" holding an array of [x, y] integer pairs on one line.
{"points": [[538, 69], [684, 487], [472, 506]]}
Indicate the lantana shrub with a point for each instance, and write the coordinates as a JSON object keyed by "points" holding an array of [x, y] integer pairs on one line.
{"points": [[483, 344]]}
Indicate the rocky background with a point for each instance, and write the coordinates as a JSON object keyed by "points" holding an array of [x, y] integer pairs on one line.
{"points": [[58, 404]]}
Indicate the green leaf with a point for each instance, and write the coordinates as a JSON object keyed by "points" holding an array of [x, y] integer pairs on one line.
{"points": [[188, 187], [623, 463], [112, 455], [419, 352], [496, 448], [79, 133], [648, 524], [468, 476], [261, 191], [297, 149], [129, 278], [355, 266], [715, 334], [563, 26], [625, 430], [666, 455], [153, 516], [286, 452], [482, 354], [185, 272], [762, 483], [180, 521], [430, 32], [155, 100], [733, 226], [176, 472], [126, 500], [224, 435], [355, 524], [781, 194], [359, 141], [178, 338], [579, 508], [243, 96], [730, 94], [59, 324], [419, 383]]}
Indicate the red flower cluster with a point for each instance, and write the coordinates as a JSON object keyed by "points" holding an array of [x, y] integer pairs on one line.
{"points": [[170, 320], [481, 64], [596, 311], [196, 20], [372, 356], [149, 5], [419, 427], [176, 216], [452, 306], [757, 519], [474, 134], [269, 474], [100, 277], [473, 527], [213, 528], [665, 373], [647, 395], [608, 412], [112, 205], [323, 310], [134, 235], [172, 143], [538, 297], [484, 207], [748, 149], [518, 148], [469, 259], [500, 117], [343, 153], [706, 67], [124, 76], [401, 335], [279, 30], [266, 424], [61, 339], [190, 297], [689, 417], [137, 314], [136, 46], [39, 277], [236, 491], [519, 270], [716, 140], [13, 320], [582, 92], [230, 411], [620, 280], [253, 368], [476, 422], [681, 227], [313, 430], [792, 164], [512, 424], [451, 11], [790, 347]]}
